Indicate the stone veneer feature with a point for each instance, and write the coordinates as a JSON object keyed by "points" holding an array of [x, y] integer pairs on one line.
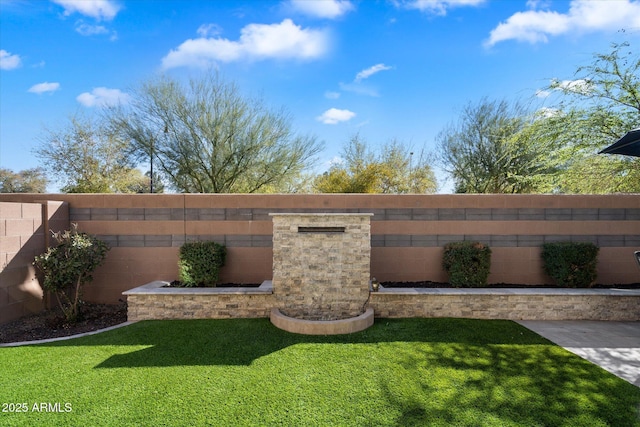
{"points": [[321, 264]]}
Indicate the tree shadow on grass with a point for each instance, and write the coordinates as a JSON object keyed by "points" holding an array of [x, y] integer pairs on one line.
{"points": [[242, 341], [512, 385], [463, 371]]}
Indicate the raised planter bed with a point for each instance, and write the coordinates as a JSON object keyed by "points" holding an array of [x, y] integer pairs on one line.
{"points": [[154, 301], [509, 303]]}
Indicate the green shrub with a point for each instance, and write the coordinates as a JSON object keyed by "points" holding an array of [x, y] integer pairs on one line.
{"points": [[67, 266], [467, 263], [571, 264], [200, 263]]}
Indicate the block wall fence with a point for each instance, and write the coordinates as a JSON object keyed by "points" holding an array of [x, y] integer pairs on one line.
{"points": [[407, 234], [22, 237]]}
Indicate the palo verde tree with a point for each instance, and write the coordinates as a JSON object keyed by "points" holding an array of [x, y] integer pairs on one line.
{"points": [[592, 111], [490, 150], [393, 170], [207, 137]]}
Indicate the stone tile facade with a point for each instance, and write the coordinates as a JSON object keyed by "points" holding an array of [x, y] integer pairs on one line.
{"points": [[321, 264], [152, 301], [511, 304]]}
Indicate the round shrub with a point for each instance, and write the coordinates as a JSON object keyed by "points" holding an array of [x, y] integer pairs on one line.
{"points": [[571, 264], [467, 263], [200, 262]]}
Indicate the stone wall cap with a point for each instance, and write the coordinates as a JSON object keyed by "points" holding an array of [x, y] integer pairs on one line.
{"points": [[507, 291], [158, 287], [320, 214]]}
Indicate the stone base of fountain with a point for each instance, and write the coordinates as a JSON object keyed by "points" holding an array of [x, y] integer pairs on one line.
{"points": [[322, 327]]}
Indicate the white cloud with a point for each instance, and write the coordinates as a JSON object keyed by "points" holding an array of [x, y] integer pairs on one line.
{"points": [[9, 61], [257, 42], [331, 95], [438, 7], [209, 30], [580, 86], [90, 30], [330, 9], [547, 113], [98, 9], [103, 97], [364, 74], [359, 88], [542, 93], [335, 161], [85, 29], [334, 116], [535, 26], [44, 87]]}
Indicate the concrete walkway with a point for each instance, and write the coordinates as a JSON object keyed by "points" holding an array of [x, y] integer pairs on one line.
{"points": [[615, 346]]}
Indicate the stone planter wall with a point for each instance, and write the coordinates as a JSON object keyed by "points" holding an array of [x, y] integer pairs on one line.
{"points": [[152, 301], [512, 304]]}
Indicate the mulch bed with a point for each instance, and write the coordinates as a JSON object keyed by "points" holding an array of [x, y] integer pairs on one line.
{"points": [[429, 284], [51, 323], [179, 284]]}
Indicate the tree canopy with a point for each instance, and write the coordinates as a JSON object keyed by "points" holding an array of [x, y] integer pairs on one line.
{"points": [[88, 158], [392, 171], [489, 150], [25, 181], [498, 147], [207, 137], [594, 110]]}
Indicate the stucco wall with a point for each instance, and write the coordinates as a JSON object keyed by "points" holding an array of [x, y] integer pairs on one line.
{"points": [[23, 235], [407, 232]]}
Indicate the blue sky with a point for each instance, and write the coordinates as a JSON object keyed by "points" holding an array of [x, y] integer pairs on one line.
{"points": [[386, 69]]}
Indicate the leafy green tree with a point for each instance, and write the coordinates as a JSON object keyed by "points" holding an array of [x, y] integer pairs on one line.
{"points": [[594, 110], [206, 137], [26, 181], [392, 171], [491, 149], [141, 183], [87, 157]]}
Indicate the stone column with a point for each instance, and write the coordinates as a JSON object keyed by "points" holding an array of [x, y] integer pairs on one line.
{"points": [[321, 264]]}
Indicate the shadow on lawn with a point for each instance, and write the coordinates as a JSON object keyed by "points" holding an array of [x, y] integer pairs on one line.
{"points": [[491, 369], [242, 341], [545, 386]]}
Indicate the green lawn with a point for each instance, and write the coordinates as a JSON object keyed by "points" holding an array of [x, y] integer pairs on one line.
{"points": [[425, 372]]}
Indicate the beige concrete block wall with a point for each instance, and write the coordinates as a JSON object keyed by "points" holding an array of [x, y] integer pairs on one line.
{"points": [[23, 235], [407, 232]]}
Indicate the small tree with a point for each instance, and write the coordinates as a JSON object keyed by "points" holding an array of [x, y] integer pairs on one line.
{"points": [[67, 266]]}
